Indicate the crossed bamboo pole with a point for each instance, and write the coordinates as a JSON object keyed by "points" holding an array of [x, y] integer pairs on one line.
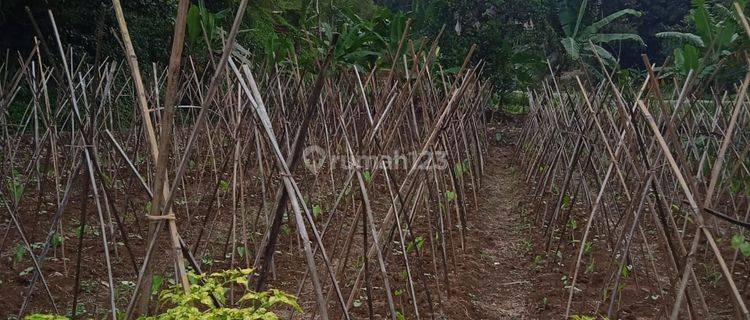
{"points": [[656, 174], [179, 156]]}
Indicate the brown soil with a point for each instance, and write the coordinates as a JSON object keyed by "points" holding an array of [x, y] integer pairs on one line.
{"points": [[494, 282], [491, 279], [505, 273], [501, 274]]}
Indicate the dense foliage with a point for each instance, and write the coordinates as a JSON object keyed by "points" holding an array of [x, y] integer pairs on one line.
{"points": [[516, 38], [584, 41], [713, 50]]}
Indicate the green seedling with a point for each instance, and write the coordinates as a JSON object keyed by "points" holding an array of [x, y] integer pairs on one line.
{"points": [[156, 282], [450, 196], [15, 186], [590, 268], [18, 252], [417, 244], [739, 243], [317, 210], [224, 186]]}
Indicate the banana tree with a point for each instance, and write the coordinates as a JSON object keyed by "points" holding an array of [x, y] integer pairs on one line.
{"points": [[200, 20], [366, 41], [356, 44], [714, 43], [577, 37]]}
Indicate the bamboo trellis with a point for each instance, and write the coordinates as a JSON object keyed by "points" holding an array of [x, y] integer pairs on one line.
{"points": [[654, 179], [203, 153]]}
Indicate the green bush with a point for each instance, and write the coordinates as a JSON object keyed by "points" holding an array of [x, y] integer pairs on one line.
{"points": [[199, 303]]}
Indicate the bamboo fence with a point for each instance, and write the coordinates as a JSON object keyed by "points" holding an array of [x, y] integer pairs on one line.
{"points": [[216, 155], [638, 191]]}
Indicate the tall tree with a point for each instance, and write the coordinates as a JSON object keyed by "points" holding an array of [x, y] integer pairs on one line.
{"points": [[582, 40]]}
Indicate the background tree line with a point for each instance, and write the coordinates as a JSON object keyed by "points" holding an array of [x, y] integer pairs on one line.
{"points": [[515, 38]]}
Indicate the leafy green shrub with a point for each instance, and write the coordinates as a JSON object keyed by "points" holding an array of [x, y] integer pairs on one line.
{"points": [[199, 303], [208, 289]]}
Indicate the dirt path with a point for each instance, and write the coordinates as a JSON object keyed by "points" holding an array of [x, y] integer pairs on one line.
{"points": [[495, 279]]}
